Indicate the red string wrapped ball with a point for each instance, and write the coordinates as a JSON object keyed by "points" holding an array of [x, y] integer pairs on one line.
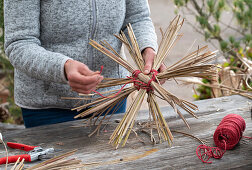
{"points": [[229, 132]]}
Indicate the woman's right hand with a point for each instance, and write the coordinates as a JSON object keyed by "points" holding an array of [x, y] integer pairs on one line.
{"points": [[80, 78]]}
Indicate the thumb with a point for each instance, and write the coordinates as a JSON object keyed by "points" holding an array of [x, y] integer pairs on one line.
{"points": [[148, 63], [148, 66], [84, 70], [148, 55]]}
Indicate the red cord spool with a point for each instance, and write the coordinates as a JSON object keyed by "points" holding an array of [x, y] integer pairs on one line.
{"points": [[229, 132], [226, 137]]}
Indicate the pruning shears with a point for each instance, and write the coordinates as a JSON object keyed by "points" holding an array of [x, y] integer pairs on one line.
{"points": [[33, 153]]}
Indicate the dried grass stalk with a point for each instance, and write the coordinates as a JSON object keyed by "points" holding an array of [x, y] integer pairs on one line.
{"points": [[230, 82], [18, 165], [231, 90], [193, 65], [6, 150], [59, 163]]}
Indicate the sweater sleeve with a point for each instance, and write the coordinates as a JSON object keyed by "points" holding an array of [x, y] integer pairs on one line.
{"points": [[23, 46], [138, 15]]}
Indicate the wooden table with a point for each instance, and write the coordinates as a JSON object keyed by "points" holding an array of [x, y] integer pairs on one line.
{"points": [[138, 155]]}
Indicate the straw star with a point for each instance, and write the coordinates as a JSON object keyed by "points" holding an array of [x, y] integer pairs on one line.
{"points": [[193, 65]]}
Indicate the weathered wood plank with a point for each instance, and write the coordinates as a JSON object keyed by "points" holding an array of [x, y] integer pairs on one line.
{"points": [[180, 155]]}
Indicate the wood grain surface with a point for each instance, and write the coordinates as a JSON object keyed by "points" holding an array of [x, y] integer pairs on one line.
{"points": [[139, 152]]}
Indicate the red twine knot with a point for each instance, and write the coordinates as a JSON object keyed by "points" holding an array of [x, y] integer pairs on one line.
{"points": [[137, 83], [141, 85]]}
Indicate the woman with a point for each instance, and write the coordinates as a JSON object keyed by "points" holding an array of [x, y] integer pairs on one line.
{"points": [[47, 42]]}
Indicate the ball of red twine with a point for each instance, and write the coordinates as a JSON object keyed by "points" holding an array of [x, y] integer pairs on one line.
{"points": [[226, 137], [229, 132]]}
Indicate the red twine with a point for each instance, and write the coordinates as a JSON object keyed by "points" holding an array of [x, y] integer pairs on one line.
{"points": [[226, 136], [137, 83], [141, 85], [101, 69]]}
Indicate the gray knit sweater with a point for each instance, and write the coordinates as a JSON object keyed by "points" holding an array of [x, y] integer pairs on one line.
{"points": [[40, 35]]}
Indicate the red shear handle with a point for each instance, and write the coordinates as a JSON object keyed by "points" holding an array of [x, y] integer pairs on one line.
{"points": [[20, 146], [13, 159]]}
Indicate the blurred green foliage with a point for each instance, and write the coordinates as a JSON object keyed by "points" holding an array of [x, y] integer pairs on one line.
{"points": [[233, 37], [7, 70], [203, 91], [208, 14]]}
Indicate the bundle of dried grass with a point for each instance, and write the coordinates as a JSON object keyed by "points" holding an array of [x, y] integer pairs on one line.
{"points": [[192, 65], [59, 163], [19, 165], [229, 82]]}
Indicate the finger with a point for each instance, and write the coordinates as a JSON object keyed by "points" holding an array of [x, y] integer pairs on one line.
{"points": [[162, 81], [83, 87], [162, 68], [84, 80], [149, 58], [84, 70], [78, 85], [97, 72], [82, 91], [90, 80], [93, 78], [88, 90]]}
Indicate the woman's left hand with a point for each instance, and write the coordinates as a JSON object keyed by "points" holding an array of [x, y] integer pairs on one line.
{"points": [[148, 56]]}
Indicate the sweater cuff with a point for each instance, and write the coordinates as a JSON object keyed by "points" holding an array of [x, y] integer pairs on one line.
{"points": [[146, 43], [63, 74]]}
